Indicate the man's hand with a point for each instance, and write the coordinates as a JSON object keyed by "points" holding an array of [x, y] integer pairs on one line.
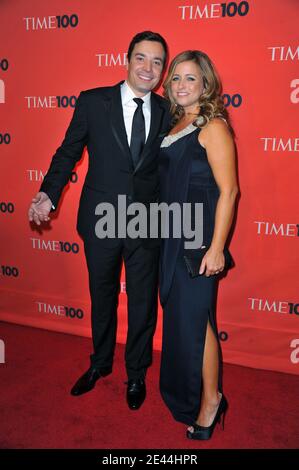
{"points": [[40, 208]]}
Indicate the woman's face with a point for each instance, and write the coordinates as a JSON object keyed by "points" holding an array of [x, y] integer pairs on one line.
{"points": [[187, 85]]}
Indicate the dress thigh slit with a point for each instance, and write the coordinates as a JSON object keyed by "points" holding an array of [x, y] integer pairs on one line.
{"points": [[189, 307]]}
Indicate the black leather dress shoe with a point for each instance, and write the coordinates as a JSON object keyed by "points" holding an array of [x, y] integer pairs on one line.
{"points": [[88, 381], [136, 393]]}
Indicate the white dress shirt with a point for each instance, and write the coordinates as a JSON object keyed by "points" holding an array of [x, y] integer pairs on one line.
{"points": [[129, 107]]}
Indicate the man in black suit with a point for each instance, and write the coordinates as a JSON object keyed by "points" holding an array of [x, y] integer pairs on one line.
{"points": [[122, 127]]}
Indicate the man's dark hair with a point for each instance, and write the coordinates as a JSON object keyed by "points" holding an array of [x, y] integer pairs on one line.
{"points": [[148, 36]]}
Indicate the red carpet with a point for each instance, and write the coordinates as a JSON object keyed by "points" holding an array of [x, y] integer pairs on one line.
{"points": [[37, 410]]}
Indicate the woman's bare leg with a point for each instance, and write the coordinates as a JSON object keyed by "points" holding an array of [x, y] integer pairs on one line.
{"points": [[210, 373]]}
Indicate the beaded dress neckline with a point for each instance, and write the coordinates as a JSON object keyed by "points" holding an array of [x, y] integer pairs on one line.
{"points": [[170, 139]]}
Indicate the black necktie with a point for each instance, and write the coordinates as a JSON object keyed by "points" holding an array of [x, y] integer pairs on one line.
{"points": [[138, 132]]}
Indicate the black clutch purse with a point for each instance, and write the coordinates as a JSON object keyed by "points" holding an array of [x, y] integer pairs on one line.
{"points": [[193, 261]]}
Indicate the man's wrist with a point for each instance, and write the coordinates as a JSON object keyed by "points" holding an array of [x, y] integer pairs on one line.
{"points": [[52, 205]]}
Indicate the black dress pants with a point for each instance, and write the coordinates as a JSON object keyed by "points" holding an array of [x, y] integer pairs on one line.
{"points": [[104, 262]]}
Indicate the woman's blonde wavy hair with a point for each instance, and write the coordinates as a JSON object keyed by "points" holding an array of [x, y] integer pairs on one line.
{"points": [[210, 102]]}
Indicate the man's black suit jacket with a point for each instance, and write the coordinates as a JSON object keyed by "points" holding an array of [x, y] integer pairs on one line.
{"points": [[98, 123]]}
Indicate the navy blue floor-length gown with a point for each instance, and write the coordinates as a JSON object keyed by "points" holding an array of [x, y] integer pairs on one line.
{"points": [[188, 304]]}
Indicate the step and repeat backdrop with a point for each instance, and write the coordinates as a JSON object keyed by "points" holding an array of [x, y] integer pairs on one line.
{"points": [[49, 52]]}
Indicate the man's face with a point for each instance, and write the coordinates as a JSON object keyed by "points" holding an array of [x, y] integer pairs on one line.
{"points": [[145, 67]]}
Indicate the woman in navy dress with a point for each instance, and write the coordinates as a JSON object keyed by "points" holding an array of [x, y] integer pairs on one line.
{"points": [[197, 165]]}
